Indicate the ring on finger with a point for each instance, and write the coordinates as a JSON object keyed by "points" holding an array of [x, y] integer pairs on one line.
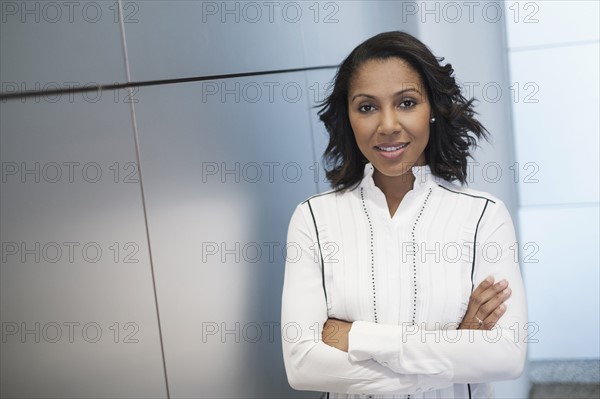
{"points": [[479, 321]]}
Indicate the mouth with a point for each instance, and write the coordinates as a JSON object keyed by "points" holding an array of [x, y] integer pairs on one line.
{"points": [[390, 147], [391, 150]]}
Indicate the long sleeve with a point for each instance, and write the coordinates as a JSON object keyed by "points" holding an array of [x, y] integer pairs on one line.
{"points": [[463, 356], [310, 363]]}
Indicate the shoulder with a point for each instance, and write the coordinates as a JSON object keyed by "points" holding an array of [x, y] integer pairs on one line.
{"points": [[466, 193], [314, 211], [306, 208], [481, 205], [327, 199], [326, 196], [324, 206]]}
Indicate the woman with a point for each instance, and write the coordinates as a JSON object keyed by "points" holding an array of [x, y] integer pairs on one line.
{"points": [[400, 288]]}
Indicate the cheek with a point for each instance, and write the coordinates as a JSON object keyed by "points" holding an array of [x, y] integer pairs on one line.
{"points": [[426, 136], [362, 127], [357, 129], [420, 126]]}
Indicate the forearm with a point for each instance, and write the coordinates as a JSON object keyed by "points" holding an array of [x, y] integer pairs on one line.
{"points": [[319, 367], [462, 356]]}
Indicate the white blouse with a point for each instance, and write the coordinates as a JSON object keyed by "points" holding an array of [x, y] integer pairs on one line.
{"points": [[405, 282]]}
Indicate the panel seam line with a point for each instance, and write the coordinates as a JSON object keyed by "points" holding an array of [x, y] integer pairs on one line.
{"points": [[144, 208]]}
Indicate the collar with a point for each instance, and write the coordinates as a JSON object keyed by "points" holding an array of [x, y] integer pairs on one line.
{"points": [[423, 178]]}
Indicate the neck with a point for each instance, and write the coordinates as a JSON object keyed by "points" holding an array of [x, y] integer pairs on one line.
{"points": [[394, 187]]}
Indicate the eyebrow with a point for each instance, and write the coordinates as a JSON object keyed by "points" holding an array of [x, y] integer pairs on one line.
{"points": [[395, 94]]}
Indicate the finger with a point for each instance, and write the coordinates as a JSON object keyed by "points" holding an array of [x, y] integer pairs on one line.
{"points": [[479, 299], [494, 289], [484, 292], [477, 324], [490, 321], [493, 303], [484, 285]]}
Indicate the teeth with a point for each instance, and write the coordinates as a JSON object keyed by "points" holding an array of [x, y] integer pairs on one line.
{"points": [[391, 149]]}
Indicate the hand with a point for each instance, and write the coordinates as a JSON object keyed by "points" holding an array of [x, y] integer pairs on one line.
{"points": [[335, 333], [486, 305]]}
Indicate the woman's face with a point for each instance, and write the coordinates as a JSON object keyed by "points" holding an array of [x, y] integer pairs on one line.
{"points": [[389, 113]]}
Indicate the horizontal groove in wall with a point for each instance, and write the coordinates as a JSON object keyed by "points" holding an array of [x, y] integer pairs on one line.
{"points": [[118, 86]]}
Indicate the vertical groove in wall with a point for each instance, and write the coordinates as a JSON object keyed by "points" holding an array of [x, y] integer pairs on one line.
{"points": [[510, 116], [311, 130], [139, 166]]}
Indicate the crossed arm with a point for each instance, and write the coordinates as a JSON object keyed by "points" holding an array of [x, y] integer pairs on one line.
{"points": [[486, 306]]}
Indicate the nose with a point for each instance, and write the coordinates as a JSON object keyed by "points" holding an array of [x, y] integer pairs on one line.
{"points": [[389, 122]]}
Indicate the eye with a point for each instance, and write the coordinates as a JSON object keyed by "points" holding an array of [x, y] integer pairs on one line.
{"points": [[365, 108], [407, 103]]}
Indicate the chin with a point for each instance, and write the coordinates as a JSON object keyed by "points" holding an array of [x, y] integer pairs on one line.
{"points": [[394, 171]]}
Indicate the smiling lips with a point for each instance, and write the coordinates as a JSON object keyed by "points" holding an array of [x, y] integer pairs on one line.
{"points": [[391, 150]]}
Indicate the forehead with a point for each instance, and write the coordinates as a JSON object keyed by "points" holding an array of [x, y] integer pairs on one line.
{"points": [[391, 74]]}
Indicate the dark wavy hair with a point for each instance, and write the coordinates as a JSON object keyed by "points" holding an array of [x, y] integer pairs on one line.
{"points": [[449, 143]]}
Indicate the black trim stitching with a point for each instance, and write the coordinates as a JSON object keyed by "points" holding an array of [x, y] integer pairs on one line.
{"points": [[414, 241], [320, 252], [364, 206], [475, 244], [469, 388], [470, 195]]}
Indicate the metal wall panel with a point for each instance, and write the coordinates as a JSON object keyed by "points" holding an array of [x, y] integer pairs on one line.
{"points": [[175, 39], [47, 45], [76, 299]]}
